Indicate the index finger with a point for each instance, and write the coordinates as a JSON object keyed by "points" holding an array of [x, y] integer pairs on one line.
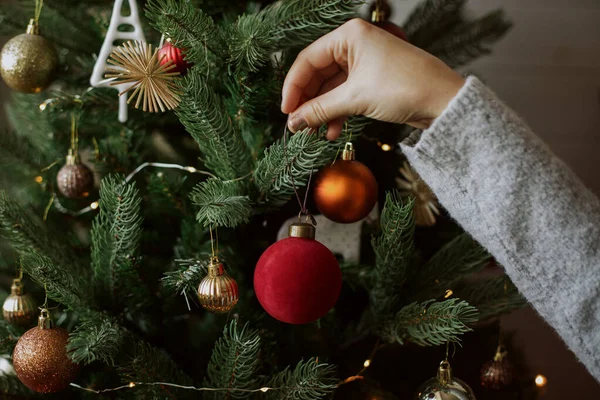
{"points": [[322, 59]]}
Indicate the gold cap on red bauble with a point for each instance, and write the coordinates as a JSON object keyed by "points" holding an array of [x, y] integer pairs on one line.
{"points": [[28, 62], [346, 191], [302, 230], [40, 357]]}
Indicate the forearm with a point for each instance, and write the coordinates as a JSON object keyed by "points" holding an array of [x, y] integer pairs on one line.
{"points": [[505, 187]]}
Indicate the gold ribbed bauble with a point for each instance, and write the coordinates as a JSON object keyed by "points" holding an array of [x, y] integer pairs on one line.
{"points": [[40, 357], [75, 180], [28, 62], [19, 308], [346, 191], [218, 292], [445, 387]]}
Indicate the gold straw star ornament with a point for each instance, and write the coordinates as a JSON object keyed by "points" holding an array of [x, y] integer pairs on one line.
{"points": [[426, 204], [153, 85]]}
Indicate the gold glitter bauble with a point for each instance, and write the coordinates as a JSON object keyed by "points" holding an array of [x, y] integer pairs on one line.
{"points": [[75, 180], [40, 357], [19, 308], [28, 62], [218, 292], [445, 387]]}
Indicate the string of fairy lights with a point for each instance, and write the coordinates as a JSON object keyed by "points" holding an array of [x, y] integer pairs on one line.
{"points": [[540, 380]]}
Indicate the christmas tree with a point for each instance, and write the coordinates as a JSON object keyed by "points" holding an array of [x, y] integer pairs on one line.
{"points": [[197, 194]]}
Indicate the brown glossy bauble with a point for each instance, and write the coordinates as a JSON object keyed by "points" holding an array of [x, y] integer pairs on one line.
{"points": [[28, 62], [40, 357], [75, 180], [346, 191], [19, 308], [497, 373]]}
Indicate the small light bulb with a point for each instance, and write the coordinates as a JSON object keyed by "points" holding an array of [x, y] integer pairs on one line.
{"points": [[191, 169], [94, 205], [386, 147], [264, 389], [448, 293], [540, 380], [131, 384], [367, 363], [39, 179]]}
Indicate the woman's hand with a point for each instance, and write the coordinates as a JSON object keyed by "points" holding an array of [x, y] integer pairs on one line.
{"points": [[359, 69]]}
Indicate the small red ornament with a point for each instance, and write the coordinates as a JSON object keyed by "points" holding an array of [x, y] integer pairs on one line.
{"points": [[346, 191], [298, 280], [168, 52], [497, 373]]}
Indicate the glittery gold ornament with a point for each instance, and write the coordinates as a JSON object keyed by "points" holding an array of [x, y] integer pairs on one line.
{"points": [[28, 62], [444, 386], [498, 372], [218, 292], [19, 308], [75, 180], [40, 357], [426, 204], [154, 84]]}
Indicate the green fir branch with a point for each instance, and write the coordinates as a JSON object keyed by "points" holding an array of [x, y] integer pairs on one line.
{"points": [[281, 167], [309, 380], [10, 385], [9, 334], [95, 341], [471, 40], [492, 296], [393, 249], [205, 118], [432, 18], [116, 233], [150, 364], [24, 114], [186, 278], [221, 203], [46, 259], [234, 362], [301, 22], [430, 323], [71, 289], [458, 258], [251, 43], [188, 27]]}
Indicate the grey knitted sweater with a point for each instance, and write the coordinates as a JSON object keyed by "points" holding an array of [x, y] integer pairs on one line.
{"points": [[506, 188]]}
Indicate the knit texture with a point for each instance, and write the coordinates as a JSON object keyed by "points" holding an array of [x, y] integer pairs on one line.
{"points": [[513, 195]]}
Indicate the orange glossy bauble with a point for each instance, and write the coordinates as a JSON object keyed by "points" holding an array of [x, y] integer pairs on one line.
{"points": [[346, 191]]}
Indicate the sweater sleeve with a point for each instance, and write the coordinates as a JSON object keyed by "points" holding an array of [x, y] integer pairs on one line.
{"points": [[506, 188]]}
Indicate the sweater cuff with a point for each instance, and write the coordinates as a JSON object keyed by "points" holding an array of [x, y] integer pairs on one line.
{"points": [[450, 122]]}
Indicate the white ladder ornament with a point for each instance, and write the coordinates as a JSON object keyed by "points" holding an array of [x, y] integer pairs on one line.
{"points": [[117, 19]]}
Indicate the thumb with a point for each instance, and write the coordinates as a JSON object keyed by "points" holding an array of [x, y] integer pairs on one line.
{"points": [[321, 110]]}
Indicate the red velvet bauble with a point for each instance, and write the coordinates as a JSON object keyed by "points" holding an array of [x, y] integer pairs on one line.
{"points": [[297, 280], [168, 52], [346, 191], [393, 29]]}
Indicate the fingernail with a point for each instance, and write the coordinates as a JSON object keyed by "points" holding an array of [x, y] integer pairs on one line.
{"points": [[296, 123]]}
